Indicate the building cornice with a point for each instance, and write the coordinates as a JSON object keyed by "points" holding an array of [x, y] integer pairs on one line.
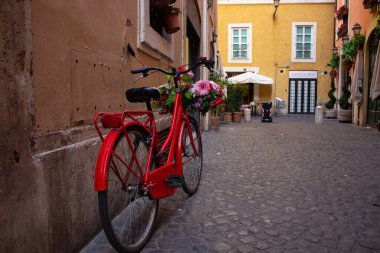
{"points": [[252, 2]]}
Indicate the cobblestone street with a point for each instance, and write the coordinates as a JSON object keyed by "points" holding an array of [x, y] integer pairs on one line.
{"points": [[286, 186]]}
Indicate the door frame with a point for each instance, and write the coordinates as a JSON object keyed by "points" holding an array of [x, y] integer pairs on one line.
{"points": [[309, 80]]}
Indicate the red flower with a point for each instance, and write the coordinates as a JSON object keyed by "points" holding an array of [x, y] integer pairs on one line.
{"points": [[216, 102]]}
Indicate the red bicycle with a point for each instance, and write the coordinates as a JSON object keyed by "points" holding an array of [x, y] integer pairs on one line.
{"points": [[134, 170]]}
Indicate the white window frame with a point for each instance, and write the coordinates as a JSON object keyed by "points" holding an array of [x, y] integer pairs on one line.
{"points": [[249, 42], [148, 40], [313, 26]]}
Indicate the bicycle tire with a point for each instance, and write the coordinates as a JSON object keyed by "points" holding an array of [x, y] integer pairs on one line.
{"points": [[191, 163], [118, 206]]}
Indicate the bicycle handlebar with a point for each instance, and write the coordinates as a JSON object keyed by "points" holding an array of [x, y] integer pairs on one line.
{"points": [[202, 61]]}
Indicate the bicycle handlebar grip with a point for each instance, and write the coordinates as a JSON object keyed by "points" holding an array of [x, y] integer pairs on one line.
{"points": [[137, 71], [209, 63]]}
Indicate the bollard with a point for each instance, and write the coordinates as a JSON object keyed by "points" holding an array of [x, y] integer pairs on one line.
{"points": [[247, 115], [318, 115]]}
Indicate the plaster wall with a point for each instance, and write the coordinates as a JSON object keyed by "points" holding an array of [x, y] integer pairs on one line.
{"points": [[23, 207], [272, 41]]}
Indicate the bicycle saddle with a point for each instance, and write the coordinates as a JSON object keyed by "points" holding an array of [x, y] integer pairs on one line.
{"points": [[144, 94]]}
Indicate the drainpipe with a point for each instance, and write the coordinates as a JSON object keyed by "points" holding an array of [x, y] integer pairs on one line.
{"points": [[205, 52]]}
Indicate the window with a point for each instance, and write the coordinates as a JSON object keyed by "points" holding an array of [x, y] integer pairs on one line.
{"points": [[304, 42], [303, 46], [149, 39], [240, 43]]}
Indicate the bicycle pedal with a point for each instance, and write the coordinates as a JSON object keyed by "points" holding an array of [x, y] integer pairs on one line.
{"points": [[174, 181]]}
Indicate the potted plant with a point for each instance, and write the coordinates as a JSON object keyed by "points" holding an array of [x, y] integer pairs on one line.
{"points": [[215, 118], [330, 105], [342, 12], [345, 112], [234, 102], [369, 4], [342, 30], [170, 19]]}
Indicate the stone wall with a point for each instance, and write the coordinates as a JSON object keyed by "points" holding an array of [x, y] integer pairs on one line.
{"points": [[23, 208]]}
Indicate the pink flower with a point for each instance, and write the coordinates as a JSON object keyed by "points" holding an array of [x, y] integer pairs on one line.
{"points": [[202, 87]]}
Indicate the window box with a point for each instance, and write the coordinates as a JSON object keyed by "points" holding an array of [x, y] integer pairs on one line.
{"points": [[342, 30], [341, 12], [369, 4]]}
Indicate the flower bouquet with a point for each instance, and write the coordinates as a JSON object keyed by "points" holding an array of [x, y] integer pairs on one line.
{"points": [[200, 96]]}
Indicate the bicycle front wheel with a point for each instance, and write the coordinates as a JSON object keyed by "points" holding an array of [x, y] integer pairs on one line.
{"points": [[191, 157], [126, 211]]}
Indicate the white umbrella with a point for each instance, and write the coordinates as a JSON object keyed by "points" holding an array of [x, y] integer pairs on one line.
{"points": [[250, 77]]}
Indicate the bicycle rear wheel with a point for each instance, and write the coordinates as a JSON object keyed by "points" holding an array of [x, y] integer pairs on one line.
{"points": [[191, 159], [127, 214]]}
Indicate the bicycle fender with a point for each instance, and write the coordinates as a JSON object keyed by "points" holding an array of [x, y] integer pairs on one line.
{"points": [[101, 169]]}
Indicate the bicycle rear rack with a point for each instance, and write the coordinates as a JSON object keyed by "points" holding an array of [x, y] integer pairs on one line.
{"points": [[111, 120]]}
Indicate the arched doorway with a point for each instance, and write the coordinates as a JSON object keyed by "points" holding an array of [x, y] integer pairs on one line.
{"points": [[373, 108]]}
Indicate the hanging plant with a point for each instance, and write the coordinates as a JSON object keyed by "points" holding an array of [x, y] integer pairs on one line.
{"points": [[343, 101], [369, 4], [342, 30], [351, 48], [170, 19], [342, 12]]}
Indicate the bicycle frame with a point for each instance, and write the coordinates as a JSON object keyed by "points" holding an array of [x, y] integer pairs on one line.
{"points": [[153, 181]]}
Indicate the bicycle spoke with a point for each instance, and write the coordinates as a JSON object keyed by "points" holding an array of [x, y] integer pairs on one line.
{"points": [[127, 213]]}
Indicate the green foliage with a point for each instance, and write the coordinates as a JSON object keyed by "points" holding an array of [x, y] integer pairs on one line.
{"points": [[330, 104], [334, 62], [344, 102], [377, 29], [234, 98], [218, 78], [352, 46]]}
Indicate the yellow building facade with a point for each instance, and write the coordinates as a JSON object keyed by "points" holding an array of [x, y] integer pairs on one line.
{"points": [[292, 45]]}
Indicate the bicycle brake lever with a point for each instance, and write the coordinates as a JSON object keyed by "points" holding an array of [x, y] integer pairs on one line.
{"points": [[138, 78], [144, 75]]}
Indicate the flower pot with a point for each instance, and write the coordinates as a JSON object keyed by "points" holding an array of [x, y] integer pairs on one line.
{"points": [[340, 15], [333, 73], [237, 117], [215, 122], [342, 32], [171, 23], [345, 116], [331, 113], [228, 116]]}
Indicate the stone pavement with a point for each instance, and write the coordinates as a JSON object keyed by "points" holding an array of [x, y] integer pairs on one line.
{"points": [[286, 186]]}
